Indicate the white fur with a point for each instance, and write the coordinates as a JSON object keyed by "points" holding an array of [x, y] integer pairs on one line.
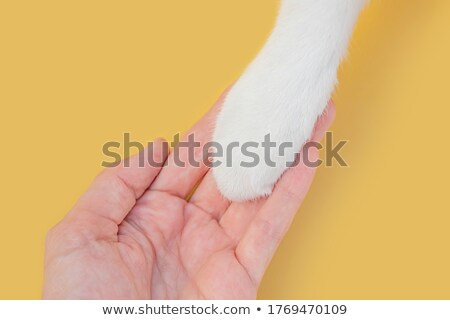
{"points": [[283, 91]]}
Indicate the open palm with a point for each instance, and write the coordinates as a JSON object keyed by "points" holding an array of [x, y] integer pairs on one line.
{"points": [[146, 232]]}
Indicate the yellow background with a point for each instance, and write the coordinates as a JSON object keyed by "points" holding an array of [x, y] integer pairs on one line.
{"points": [[75, 74]]}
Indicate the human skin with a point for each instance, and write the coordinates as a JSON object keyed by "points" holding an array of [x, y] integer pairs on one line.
{"points": [[141, 232]]}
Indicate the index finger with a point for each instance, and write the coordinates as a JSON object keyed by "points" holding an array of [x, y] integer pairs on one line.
{"points": [[184, 169]]}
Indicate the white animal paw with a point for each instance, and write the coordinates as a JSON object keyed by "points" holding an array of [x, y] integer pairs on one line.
{"points": [[282, 93], [259, 134]]}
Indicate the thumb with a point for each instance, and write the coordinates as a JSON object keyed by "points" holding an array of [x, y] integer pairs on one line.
{"points": [[114, 192]]}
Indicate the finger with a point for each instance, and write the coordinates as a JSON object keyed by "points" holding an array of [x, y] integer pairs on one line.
{"points": [[324, 122], [239, 215], [265, 232], [114, 192], [186, 165], [208, 198]]}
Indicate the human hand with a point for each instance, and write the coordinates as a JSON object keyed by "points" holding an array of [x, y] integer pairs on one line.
{"points": [[133, 234]]}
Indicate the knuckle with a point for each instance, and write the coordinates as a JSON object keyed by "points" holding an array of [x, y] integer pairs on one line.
{"points": [[270, 230]]}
